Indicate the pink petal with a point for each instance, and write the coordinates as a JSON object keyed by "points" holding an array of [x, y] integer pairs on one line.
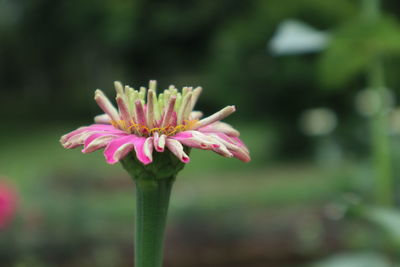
{"points": [[234, 145], [120, 147], [140, 113], [168, 112], [78, 137], [64, 138], [156, 136], [194, 139], [159, 142], [99, 140], [105, 104], [177, 149], [221, 127], [232, 140], [221, 149], [123, 108], [223, 113]]}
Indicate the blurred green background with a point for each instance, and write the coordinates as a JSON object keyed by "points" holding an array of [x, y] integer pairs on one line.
{"points": [[306, 198]]}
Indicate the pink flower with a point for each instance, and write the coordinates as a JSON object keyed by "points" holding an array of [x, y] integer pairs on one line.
{"points": [[8, 201], [163, 121]]}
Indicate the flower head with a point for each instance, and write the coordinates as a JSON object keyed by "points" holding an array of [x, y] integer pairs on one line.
{"points": [[8, 201], [145, 121]]}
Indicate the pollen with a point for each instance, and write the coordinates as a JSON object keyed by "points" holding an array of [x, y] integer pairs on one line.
{"points": [[169, 130]]}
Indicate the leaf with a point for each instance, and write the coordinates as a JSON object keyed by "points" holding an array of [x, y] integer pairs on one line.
{"points": [[386, 218], [366, 259]]}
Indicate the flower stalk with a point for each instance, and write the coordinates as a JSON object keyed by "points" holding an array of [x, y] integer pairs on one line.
{"points": [[384, 194], [152, 200], [153, 189]]}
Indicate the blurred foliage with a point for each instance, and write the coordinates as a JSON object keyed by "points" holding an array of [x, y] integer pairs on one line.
{"points": [[354, 45]]}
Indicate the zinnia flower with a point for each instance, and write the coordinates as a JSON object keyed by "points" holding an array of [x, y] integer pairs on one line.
{"points": [[156, 122], [8, 201]]}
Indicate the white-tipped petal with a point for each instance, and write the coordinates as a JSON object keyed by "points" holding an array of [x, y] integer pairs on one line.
{"points": [[161, 102], [177, 149], [150, 109], [141, 117], [221, 127], [153, 85], [128, 98], [221, 148], [161, 143], [142, 93], [105, 104], [196, 94], [156, 135], [133, 96], [148, 148], [123, 109], [102, 119], [185, 106], [168, 112], [223, 113], [98, 143], [185, 90], [195, 115], [167, 96], [119, 88]]}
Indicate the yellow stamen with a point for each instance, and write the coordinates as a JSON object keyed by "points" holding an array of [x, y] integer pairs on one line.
{"points": [[167, 130]]}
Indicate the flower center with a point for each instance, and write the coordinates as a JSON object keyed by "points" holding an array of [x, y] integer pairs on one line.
{"points": [[136, 128]]}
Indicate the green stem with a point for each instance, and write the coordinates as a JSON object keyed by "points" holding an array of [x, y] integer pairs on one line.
{"points": [[371, 9], [153, 189], [152, 200], [384, 193], [380, 139]]}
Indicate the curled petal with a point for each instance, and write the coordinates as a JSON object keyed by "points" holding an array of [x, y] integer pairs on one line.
{"points": [[185, 108], [221, 149], [234, 145], [99, 140], [195, 115], [195, 139], [196, 94], [159, 142], [123, 108], [221, 127], [140, 115], [177, 149], [119, 88], [105, 104], [168, 112], [223, 113], [156, 136], [147, 151], [150, 111], [78, 137], [120, 147], [102, 119]]}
